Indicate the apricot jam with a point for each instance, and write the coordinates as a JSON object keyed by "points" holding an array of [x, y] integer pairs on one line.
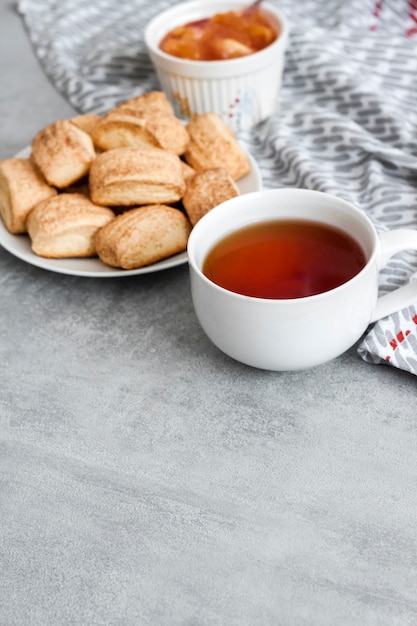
{"points": [[223, 36]]}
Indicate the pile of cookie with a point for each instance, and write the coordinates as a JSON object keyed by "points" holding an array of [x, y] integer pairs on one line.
{"points": [[127, 186]]}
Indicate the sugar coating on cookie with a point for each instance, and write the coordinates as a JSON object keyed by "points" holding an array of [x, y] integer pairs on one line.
{"points": [[143, 236], [63, 152], [22, 187]]}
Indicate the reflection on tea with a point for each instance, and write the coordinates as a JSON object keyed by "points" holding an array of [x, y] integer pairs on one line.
{"points": [[283, 259]]}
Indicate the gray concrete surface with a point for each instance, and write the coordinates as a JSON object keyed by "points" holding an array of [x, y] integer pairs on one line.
{"points": [[147, 479]]}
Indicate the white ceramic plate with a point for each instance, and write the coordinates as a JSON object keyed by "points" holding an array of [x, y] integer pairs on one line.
{"points": [[19, 245]]}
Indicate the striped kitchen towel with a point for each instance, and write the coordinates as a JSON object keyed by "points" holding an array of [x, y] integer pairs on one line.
{"points": [[347, 121]]}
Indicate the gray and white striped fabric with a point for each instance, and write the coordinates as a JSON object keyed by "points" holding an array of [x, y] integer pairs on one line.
{"points": [[347, 122]]}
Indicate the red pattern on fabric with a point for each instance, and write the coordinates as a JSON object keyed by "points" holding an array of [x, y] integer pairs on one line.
{"points": [[412, 14], [376, 13], [399, 338]]}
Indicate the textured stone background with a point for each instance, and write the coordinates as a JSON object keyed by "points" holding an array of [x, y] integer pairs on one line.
{"points": [[147, 479]]}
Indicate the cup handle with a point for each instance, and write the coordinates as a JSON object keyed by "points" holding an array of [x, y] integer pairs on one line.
{"points": [[391, 243]]}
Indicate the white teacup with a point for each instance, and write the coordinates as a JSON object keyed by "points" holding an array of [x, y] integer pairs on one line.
{"points": [[291, 334]]}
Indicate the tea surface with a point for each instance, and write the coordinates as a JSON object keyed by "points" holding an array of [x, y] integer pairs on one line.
{"points": [[284, 259]]}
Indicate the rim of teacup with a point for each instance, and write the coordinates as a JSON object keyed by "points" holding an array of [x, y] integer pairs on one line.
{"points": [[185, 12], [256, 197]]}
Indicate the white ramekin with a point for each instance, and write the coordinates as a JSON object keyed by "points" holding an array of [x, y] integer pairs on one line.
{"points": [[243, 91]]}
